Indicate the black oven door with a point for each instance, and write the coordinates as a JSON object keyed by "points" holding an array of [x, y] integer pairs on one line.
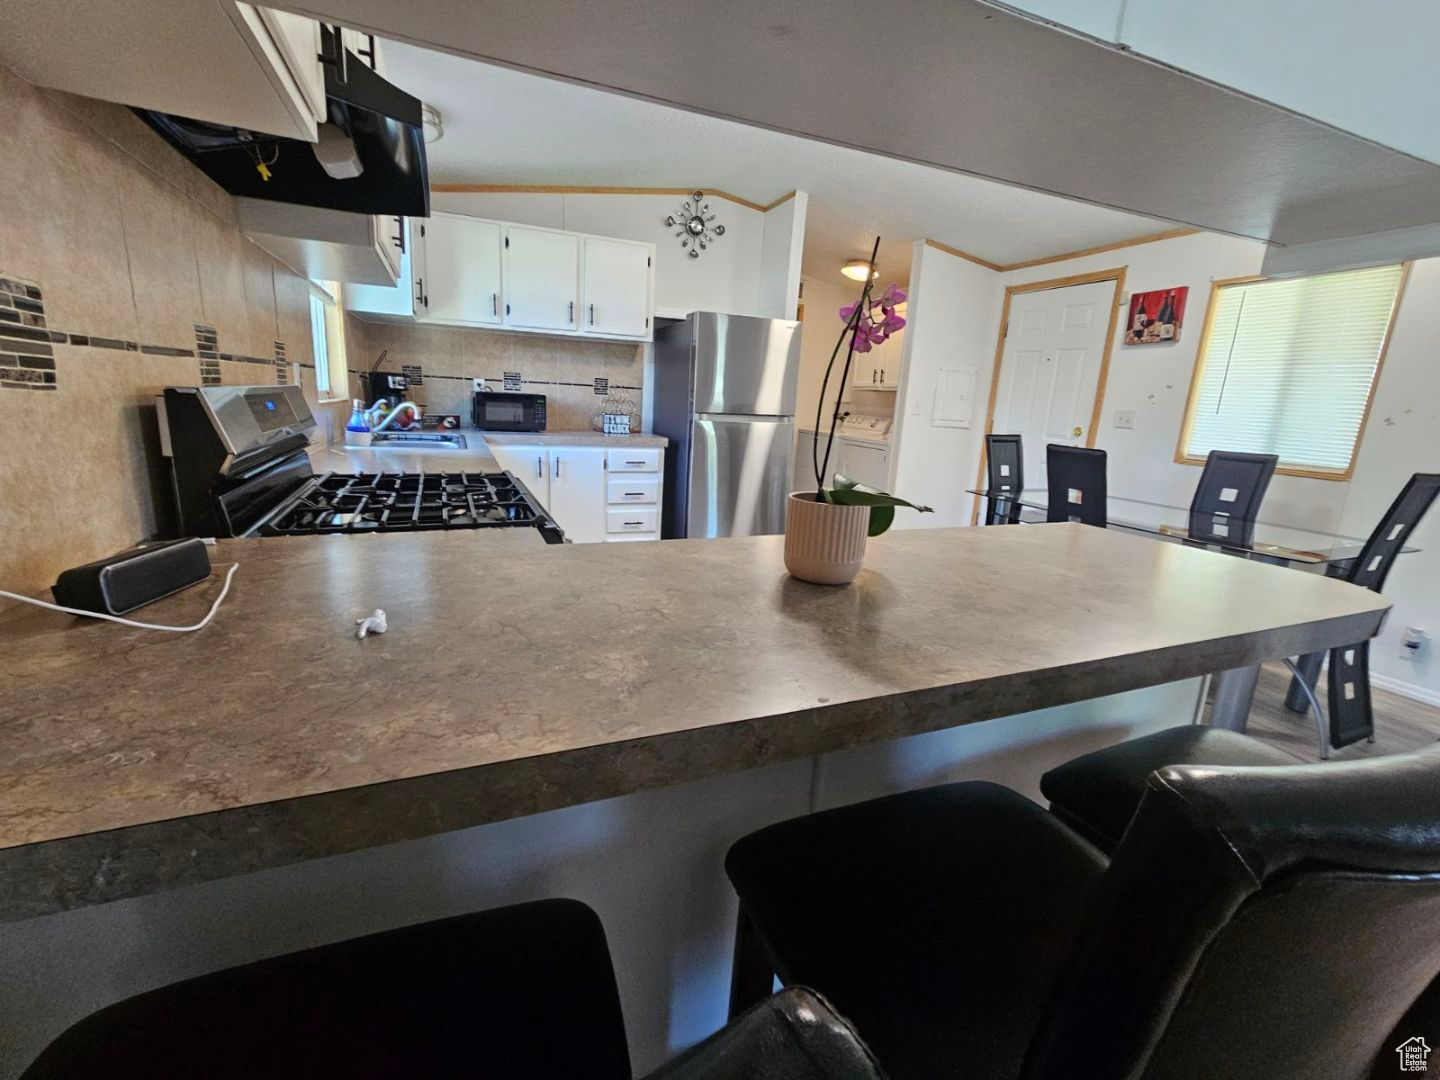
{"points": [[509, 412]]}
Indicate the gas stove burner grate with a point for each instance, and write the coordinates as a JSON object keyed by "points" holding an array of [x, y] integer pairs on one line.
{"points": [[404, 502]]}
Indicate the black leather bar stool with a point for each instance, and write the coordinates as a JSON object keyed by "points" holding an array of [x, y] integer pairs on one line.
{"points": [[524, 992], [1096, 794], [1226, 503], [1076, 484], [1254, 923], [1005, 472]]}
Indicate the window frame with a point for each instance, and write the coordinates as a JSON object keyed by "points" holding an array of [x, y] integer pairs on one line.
{"points": [[330, 296], [1198, 370]]}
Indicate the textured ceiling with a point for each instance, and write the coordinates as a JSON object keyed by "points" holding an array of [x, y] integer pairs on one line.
{"points": [[509, 127]]}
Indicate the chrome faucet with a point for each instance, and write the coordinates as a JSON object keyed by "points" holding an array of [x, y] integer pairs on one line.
{"points": [[375, 410]]}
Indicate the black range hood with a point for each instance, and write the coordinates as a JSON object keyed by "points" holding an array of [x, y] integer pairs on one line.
{"points": [[383, 122]]}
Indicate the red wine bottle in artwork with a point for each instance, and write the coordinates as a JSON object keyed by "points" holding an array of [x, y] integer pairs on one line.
{"points": [[1167, 310]]}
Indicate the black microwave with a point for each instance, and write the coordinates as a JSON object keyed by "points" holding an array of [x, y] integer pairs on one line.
{"points": [[493, 411]]}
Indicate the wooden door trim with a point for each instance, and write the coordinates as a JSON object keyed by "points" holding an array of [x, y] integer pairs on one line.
{"points": [[1116, 275]]}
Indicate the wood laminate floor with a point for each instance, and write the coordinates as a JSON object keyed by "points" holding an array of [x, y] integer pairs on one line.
{"points": [[1401, 724]]}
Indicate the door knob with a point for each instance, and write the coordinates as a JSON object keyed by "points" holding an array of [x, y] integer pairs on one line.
{"points": [[1076, 432]]}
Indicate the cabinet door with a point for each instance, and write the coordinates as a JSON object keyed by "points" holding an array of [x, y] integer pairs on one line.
{"points": [[298, 40], [616, 287], [577, 492], [461, 279], [397, 299], [390, 242], [528, 464], [542, 277]]}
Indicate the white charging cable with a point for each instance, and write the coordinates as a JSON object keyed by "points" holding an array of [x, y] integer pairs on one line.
{"points": [[131, 622]]}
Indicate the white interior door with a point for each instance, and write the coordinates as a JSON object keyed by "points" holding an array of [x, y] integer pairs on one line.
{"points": [[617, 287], [1050, 369], [542, 278], [462, 270]]}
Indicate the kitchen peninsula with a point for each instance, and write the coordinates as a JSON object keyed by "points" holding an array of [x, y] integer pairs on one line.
{"points": [[133, 762]]}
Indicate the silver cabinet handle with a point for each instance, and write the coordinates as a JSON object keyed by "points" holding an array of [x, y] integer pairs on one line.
{"points": [[592, 314], [555, 474], [634, 493], [494, 303], [882, 374], [540, 468], [634, 523], [572, 312]]}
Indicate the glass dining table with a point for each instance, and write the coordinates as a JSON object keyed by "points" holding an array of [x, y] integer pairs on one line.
{"points": [[1272, 541]]}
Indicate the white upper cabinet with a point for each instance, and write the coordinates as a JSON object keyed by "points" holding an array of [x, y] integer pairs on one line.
{"points": [[397, 299], [226, 63], [616, 287], [460, 280], [542, 278], [466, 271]]}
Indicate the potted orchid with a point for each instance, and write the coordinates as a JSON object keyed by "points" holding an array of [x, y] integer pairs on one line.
{"points": [[826, 529]]}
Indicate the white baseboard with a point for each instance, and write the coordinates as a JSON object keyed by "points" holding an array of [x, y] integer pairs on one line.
{"points": [[1405, 689]]}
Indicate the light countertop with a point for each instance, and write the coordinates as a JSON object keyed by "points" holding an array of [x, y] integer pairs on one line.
{"points": [[133, 761], [569, 438]]}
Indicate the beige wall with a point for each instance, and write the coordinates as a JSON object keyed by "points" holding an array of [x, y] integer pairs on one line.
{"points": [[564, 369], [126, 241]]}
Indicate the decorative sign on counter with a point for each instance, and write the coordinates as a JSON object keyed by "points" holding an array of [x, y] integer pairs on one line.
{"points": [[617, 424], [602, 387], [512, 380], [413, 375]]}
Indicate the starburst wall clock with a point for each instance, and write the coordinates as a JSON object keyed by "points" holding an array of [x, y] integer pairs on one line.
{"points": [[697, 229]]}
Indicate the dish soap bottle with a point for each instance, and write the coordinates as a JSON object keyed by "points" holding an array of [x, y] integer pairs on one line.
{"points": [[357, 430]]}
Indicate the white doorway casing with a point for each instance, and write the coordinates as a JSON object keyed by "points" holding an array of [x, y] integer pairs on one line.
{"points": [[1051, 376]]}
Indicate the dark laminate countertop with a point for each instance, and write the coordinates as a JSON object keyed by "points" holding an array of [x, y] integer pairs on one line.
{"points": [[518, 678]]}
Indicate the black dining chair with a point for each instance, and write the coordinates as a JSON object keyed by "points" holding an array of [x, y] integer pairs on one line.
{"points": [[1254, 923], [1227, 499], [1075, 481], [521, 991], [1005, 471], [1351, 715], [1097, 793]]}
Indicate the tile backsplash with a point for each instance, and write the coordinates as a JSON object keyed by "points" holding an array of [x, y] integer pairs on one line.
{"points": [[576, 375], [122, 271]]}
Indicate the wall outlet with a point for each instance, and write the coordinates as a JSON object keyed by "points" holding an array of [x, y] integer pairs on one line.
{"points": [[1411, 642], [1125, 418], [478, 385]]}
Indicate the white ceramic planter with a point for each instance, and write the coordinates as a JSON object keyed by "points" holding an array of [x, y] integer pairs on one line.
{"points": [[824, 543]]}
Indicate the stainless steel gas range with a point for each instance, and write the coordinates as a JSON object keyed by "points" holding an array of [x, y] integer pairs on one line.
{"points": [[240, 466]]}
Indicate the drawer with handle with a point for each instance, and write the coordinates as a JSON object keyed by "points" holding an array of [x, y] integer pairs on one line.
{"points": [[634, 489], [641, 459], [632, 519]]}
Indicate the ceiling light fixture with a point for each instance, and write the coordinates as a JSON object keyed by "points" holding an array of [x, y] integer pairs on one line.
{"points": [[434, 126], [856, 269]]}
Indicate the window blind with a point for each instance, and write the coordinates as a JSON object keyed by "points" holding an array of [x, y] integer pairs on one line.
{"points": [[1288, 365]]}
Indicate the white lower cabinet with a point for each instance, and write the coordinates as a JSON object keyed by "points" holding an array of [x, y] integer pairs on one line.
{"points": [[577, 492], [594, 493]]}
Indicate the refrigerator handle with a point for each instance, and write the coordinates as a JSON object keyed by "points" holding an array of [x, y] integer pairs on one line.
{"points": [[745, 418]]}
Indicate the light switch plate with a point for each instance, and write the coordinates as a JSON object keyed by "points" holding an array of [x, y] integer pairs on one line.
{"points": [[1125, 418]]}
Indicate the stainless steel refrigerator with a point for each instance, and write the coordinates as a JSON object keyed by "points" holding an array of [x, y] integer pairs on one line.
{"points": [[725, 397]]}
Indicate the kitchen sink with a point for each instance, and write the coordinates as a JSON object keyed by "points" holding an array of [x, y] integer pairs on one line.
{"points": [[437, 440]]}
